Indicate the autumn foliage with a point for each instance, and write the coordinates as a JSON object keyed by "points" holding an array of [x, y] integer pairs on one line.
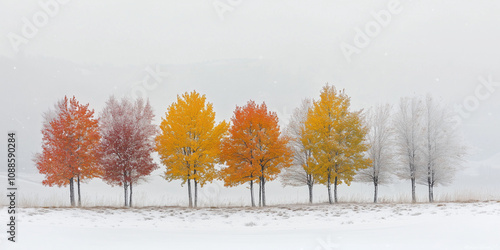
{"points": [[127, 143], [255, 150], [327, 141], [69, 146], [189, 141]]}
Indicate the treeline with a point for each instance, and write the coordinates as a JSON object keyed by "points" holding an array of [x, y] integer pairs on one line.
{"points": [[418, 140], [325, 143]]}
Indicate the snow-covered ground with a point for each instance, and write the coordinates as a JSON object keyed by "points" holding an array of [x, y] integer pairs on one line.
{"points": [[322, 226]]}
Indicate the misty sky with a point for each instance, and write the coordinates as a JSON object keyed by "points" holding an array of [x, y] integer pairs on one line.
{"points": [[274, 51]]}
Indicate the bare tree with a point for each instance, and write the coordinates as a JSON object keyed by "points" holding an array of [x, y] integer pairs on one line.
{"points": [[407, 124], [301, 172], [443, 148], [381, 153]]}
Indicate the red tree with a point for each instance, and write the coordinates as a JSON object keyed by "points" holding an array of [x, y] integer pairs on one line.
{"points": [[127, 143], [69, 146]]}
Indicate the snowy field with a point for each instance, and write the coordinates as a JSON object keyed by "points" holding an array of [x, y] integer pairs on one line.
{"points": [[341, 226], [225, 220]]}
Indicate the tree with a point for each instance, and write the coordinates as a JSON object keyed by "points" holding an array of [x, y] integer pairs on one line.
{"points": [[127, 143], [407, 124], [189, 141], [443, 148], [69, 146], [255, 149], [336, 137], [301, 172], [381, 139]]}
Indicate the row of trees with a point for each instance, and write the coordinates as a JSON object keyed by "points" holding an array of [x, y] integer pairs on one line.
{"points": [[417, 141], [191, 144], [325, 143]]}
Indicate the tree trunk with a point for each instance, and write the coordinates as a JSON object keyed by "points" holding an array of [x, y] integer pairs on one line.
{"points": [[125, 192], [431, 193], [413, 195], [328, 184], [432, 186], [189, 193], [335, 189], [195, 193], [429, 186], [375, 183], [260, 192], [251, 193], [71, 192], [130, 202], [429, 183], [310, 192], [79, 196], [263, 191]]}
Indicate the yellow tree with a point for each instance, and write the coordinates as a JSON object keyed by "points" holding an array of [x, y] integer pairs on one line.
{"points": [[189, 141], [335, 135]]}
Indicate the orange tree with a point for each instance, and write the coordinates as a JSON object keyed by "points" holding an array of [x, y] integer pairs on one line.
{"points": [[70, 146], [255, 150], [336, 136], [189, 141]]}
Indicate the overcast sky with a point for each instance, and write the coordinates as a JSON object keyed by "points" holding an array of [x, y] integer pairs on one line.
{"points": [[278, 51]]}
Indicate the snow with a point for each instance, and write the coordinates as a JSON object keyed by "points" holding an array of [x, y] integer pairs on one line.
{"points": [[320, 226], [163, 221]]}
